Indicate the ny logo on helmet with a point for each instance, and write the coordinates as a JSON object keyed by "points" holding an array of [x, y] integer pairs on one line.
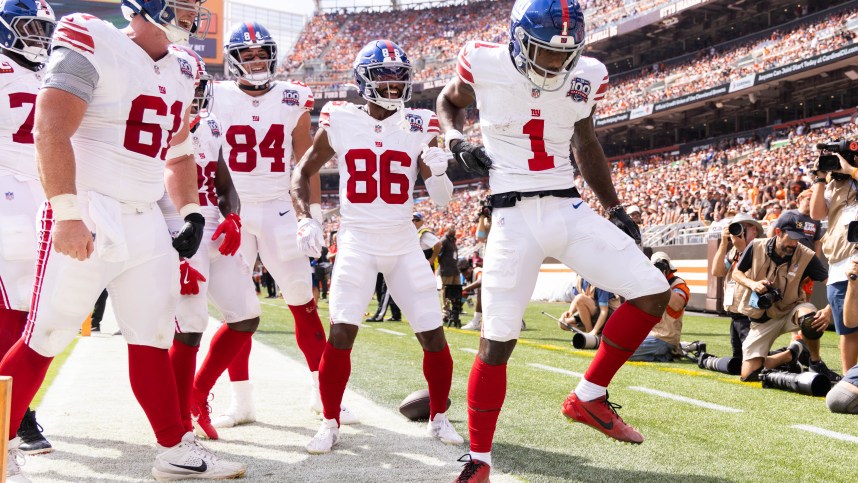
{"points": [[580, 91]]}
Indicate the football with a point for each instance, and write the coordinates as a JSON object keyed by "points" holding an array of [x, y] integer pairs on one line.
{"points": [[416, 405]]}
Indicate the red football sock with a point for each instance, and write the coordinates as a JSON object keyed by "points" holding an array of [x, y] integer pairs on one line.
{"points": [[184, 360], [438, 371], [334, 371], [226, 344], [27, 368], [154, 387], [309, 333], [239, 368], [486, 392], [627, 328], [12, 324]]}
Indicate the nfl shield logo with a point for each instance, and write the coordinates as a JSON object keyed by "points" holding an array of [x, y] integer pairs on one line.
{"points": [[378, 128], [157, 70], [535, 93], [255, 103], [10, 195]]}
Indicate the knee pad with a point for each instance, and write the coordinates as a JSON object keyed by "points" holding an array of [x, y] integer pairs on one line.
{"points": [[297, 292], [841, 400], [53, 342]]}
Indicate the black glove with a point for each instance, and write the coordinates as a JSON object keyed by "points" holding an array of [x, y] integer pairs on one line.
{"points": [[623, 221], [188, 240], [472, 157]]}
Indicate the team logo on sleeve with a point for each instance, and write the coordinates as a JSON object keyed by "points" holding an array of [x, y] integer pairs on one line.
{"points": [[214, 128], [290, 97], [6, 68], [185, 68], [10, 195], [415, 121], [580, 91]]}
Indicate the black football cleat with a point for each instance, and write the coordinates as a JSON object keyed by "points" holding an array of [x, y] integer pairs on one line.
{"points": [[30, 432]]}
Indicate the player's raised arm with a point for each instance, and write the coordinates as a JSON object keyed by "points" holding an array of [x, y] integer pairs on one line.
{"points": [[451, 104], [433, 162], [58, 115]]}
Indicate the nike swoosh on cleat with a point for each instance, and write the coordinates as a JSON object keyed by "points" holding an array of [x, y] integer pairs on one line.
{"points": [[608, 426], [576, 206], [283, 213], [199, 469]]}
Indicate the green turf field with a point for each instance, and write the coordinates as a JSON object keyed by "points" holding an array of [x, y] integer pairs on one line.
{"points": [[685, 442]]}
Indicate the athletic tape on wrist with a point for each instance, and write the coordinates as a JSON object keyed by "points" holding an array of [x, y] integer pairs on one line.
{"points": [[184, 148], [188, 209], [65, 207], [452, 135]]}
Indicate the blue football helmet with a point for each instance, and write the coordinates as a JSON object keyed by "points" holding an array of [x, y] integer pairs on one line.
{"points": [[381, 63], [555, 26], [26, 27], [250, 35], [179, 20]]}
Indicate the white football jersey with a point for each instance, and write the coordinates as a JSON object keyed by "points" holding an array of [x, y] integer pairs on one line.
{"points": [[377, 161], [257, 142], [206, 137], [138, 104], [18, 88], [527, 131]]}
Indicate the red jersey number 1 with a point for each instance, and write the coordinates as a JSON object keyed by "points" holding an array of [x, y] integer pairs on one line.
{"points": [[535, 129]]}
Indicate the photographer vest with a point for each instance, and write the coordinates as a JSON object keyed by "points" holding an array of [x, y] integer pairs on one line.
{"points": [[834, 244], [785, 276], [669, 328], [427, 252]]}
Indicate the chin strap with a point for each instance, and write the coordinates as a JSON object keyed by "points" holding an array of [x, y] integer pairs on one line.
{"points": [[253, 88]]}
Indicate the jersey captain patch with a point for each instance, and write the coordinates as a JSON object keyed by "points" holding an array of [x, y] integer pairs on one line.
{"points": [[580, 91]]}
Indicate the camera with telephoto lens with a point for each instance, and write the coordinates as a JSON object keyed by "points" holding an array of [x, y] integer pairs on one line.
{"points": [[724, 365], [766, 300], [736, 229], [807, 383]]}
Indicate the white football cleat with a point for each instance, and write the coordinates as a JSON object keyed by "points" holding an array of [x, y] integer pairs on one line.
{"points": [[191, 460], [347, 417], [440, 428], [473, 325], [15, 460], [325, 439], [241, 409]]}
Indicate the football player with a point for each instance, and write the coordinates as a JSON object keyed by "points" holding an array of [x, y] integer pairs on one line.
{"points": [[214, 271], [25, 38], [111, 129], [265, 123], [534, 98], [380, 147]]}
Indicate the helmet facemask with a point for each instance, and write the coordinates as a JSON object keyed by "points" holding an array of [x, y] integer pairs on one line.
{"points": [[245, 69], [385, 76], [541, 77], [201, 106], [32, 37]]}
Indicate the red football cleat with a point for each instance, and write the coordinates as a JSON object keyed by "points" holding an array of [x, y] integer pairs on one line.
{"points": [[474, 471], [201, 412], [601, 415]]}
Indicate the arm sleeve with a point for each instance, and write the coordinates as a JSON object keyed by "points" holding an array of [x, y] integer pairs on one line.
{"points": [[815, 270], [746, 259], [72, 72]]}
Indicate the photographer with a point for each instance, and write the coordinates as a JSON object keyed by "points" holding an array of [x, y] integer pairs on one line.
{"points": [[770, 275], [801, 217], [589, 303], [735, 237], [429, 242], [663, 340], [484, 220], [834, 197]]}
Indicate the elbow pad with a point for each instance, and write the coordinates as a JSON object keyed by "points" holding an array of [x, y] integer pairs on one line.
{"points": [[440, 189]]}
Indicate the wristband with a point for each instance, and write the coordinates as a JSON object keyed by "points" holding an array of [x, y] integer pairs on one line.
{"points": [[615, 208], [316, 212], [452, 135], [188, 209], [65, 207], [821, 180]]}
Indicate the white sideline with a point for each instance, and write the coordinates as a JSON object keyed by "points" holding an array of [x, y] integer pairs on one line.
{"points": [[555, 369], [388, 331], [827, 433], [696, 402], [469, 350]]}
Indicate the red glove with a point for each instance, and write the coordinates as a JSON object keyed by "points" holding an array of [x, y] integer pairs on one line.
{"points": [[230, 228], [189, 278]]}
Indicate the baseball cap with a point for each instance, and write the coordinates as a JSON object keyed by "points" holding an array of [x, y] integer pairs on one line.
{"points": [[746, 218], [417, 215], [789, 227], [633, 209], [659, 256]]}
